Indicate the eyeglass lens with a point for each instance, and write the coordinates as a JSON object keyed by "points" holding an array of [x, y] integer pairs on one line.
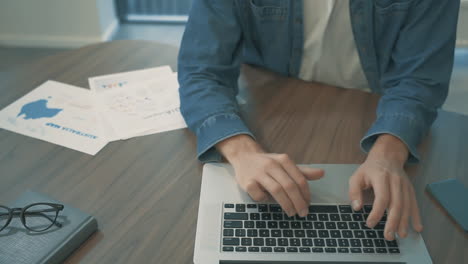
{"points": [[40, 217]]}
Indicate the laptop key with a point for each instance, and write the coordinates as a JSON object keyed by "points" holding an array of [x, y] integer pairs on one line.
{"points": [[394, 250], [381, 250], [288, 233], [228, 232], [228, 205], [300, 218], [236, 216], [272, 224], [240, 207], [254, 216], [355, 242], [267, 249], [379, 243], [304, 249], [343, 242], [347, 233], [371, 234], [307, 225], [357, 217], [323, 208], [345, 209], [379, 226], [330, 250], [331, 242], [356, 250], [323, 217], [330, 225], [306, 242], [283, 242], [295, 225], [240, 232], [312, 217], [258, 241], [254, 249], [335, 217], [317, 250], [264, 233], [335, 233], [249, 224], [232, 224], [266, 216], [367, 208], [359, 234], [246, 241], [343, 250], [284, 225], [323, 233], [270, 242], [318, 242], [318, 225], [228, 249], [260, 224], [231, 241], [353, 225], [251, 206], [311, 233], [276, 233], [299, 233], [252, 232], [392, 243], [367, 243], [368, 250], [346, 217], [279, 249], [294, 242], [275, 208], [277, 216], [380, 234], [292, 249], [241, 249], [262, 208]]}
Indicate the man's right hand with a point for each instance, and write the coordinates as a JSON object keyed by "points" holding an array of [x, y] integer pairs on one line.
{"points": [[262, 174]]}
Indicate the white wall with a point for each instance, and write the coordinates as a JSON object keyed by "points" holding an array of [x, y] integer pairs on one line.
{"points": [[56, 23]]}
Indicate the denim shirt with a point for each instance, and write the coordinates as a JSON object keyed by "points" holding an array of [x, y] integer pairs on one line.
{"points": [[406, 49]]}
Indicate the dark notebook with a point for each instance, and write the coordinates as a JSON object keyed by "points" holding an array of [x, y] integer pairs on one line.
{"points": [[18, 245]]}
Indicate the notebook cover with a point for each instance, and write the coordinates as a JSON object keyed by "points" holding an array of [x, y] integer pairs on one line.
{"points": [[453, 196], [18, 245]]}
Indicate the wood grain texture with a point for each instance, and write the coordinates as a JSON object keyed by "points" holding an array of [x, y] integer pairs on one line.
{"points": [[144, 191]]}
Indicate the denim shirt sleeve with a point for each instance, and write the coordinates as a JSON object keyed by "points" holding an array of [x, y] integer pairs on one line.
{"points": [[209, 66], [415, 83]]}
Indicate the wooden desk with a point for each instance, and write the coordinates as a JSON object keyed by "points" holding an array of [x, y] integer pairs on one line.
{"points": [[144, 191]]}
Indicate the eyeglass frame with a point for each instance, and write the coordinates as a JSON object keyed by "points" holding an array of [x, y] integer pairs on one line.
{"points": [[12, 212]]}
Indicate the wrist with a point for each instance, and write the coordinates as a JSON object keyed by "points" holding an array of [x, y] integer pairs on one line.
{"points": [[390, 148], [235, 147]]}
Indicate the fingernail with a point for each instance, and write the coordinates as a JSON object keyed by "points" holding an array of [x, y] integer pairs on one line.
{"points": [[391, 234], [356, 205], [304, 212], [291, 213], [370, 224]]}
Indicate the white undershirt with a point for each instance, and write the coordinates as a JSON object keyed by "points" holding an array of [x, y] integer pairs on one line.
{"points": [[330, 55]]}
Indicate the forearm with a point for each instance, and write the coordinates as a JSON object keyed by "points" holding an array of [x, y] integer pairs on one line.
{"points": [[390, 148], [232, 148]]}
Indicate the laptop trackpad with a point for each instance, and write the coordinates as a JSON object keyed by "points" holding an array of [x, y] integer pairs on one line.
{"points": [[300, 262]]}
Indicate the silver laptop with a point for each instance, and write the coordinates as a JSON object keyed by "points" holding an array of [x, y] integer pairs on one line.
{"points": [[232, 228]]}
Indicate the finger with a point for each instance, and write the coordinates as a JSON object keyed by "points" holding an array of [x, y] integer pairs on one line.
{"points": [[394, 213], [312, 173], [293, 171], [292, 190], [355, 190], [255, 191], [415, 216], [405, 213], [278, 193], [381, 201]]}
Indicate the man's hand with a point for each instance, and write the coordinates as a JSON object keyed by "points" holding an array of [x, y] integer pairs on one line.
{"points": [[260, 174], [383, 170]]}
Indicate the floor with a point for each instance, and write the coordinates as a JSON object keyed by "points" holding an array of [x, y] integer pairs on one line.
{"points": [[12, 57]]}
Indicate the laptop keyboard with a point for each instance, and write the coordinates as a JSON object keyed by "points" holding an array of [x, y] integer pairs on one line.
{"points": [[326, 229]]}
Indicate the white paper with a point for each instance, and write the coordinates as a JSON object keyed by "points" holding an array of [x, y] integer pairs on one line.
{"points": [[141, 108], [58, 113], [124, 79]]}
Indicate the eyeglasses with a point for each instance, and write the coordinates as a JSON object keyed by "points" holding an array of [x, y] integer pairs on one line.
{"points": [[36, 217]]}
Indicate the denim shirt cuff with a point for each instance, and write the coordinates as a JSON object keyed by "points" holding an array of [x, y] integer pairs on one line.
{"points": [[215, 129], [403, 127]]}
